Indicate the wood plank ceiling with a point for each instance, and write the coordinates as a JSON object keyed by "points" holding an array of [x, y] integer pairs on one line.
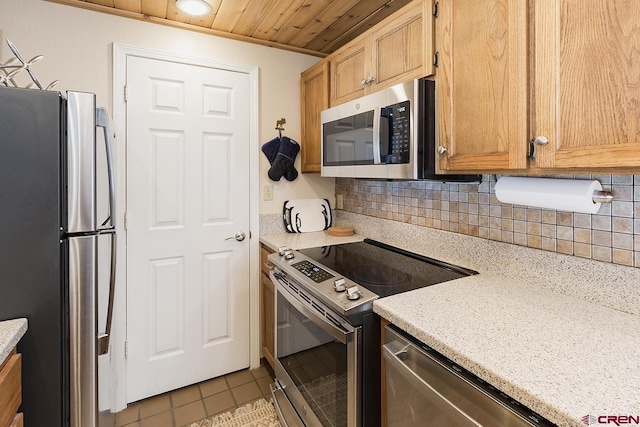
{"points": [[316, 27]]}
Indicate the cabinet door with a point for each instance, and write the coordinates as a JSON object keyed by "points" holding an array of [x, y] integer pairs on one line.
{"points": [[10, 387], [267, 307], [402, 49], [268, 319], [587, 83], [482, 84], [348, 72], [314, 94]]}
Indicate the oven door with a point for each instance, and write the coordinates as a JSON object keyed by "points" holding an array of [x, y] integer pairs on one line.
{"points": [[317, 358]]}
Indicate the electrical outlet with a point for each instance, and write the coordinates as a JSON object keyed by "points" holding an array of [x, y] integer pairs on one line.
{"points": [[339, 201], [267, 193]]}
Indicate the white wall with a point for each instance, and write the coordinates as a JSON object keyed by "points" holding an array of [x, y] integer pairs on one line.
{"points": [[77, 46]]}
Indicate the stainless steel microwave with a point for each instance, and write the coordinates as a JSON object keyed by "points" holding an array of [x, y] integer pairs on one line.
{"points": [[389, 134]]}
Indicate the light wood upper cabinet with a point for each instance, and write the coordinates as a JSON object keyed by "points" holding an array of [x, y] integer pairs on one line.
{"points": [[587, 83], [401, 48], [348, 72], [314, 93], [398, 49], [482, 84], [563, 69]]}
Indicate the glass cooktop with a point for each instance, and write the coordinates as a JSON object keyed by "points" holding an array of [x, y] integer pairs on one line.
{"points": [[383, 269]]}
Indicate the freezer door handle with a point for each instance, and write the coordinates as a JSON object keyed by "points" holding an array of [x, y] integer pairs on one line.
{"points": [[103, 338], [102, 121], [81, 163]]}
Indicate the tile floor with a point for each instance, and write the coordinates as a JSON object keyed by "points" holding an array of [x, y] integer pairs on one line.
{"points": [[181, 407]]}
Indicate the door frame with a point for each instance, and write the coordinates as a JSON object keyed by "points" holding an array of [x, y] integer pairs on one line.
{"points": [[120, 54]]}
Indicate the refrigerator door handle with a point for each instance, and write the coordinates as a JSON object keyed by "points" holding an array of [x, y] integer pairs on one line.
{"points": [[108, 227], [102, 120], [103, 338]]}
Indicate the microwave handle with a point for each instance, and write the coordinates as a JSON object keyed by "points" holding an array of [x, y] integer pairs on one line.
{"points": [[376, 136]]}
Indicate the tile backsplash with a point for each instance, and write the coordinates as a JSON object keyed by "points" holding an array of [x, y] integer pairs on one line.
{"points": [[611, 235]]}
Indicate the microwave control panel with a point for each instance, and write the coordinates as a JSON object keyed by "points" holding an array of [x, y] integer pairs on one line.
{"points": [[395, 131]]}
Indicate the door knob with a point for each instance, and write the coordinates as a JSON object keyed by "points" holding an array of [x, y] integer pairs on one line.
{"points": [[442, 149], [240, 236]]}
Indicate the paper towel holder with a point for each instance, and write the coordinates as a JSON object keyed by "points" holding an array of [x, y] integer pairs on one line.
{"points": [[602, 197], [572, 195], [597, 196]]}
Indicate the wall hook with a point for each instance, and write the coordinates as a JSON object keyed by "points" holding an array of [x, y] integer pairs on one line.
{"points": [[280, 125]]}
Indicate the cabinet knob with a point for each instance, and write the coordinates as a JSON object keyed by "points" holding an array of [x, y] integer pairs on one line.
{"points": [[367, 80], [442, 150], [533, 145], [540, 140]]}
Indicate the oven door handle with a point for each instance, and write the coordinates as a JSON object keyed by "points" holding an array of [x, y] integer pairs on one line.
{"points": [[393, 358], [341, 334]]}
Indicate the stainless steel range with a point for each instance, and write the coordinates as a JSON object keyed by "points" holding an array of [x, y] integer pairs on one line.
{"points": [[327, 336]]}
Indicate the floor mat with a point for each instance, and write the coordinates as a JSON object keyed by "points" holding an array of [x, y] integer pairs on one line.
{"points": [[258, 414]]}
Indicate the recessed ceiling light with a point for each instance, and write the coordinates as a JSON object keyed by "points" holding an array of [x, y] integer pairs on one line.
{"points": [[194, 7]]}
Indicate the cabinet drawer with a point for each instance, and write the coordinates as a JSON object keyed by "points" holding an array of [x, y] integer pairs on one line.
{"points": [[10, 389], [265, 265]]}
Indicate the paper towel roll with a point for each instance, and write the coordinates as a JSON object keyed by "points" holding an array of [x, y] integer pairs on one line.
{"points": [[561, 194]]}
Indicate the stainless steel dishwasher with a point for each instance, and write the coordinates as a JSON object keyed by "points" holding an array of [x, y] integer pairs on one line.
{"points": [[424, 388]]}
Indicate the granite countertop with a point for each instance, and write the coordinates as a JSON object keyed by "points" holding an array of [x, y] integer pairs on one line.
{"points": [[305, 240], [560, 356], [11, 331], [560, 334]]}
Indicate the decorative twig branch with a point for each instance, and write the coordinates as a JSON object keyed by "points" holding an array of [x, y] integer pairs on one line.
{"points": [[17, 65]]}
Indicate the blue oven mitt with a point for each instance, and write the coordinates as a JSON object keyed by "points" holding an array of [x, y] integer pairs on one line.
{"points": [[283, 165], [270, 149]]}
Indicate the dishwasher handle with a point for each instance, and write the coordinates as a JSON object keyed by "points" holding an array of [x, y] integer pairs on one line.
{"points": [[392, 352]]}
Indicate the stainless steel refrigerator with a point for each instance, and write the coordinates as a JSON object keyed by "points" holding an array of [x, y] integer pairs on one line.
{"points": [[50, 235]]}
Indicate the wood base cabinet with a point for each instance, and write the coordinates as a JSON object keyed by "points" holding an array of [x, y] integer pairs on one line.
{"points": [[11, 390], [558, 70], [267, 308]]}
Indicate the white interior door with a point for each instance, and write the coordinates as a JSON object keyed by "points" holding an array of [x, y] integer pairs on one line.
{"points": [[187, 192]]}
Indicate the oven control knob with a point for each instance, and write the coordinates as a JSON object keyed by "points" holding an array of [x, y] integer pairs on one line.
{"points": [[340, 285], [353, 293], [288, 254], [282, 250]]}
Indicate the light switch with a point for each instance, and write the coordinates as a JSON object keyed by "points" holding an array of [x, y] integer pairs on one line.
{"points": [[267, 193]]}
